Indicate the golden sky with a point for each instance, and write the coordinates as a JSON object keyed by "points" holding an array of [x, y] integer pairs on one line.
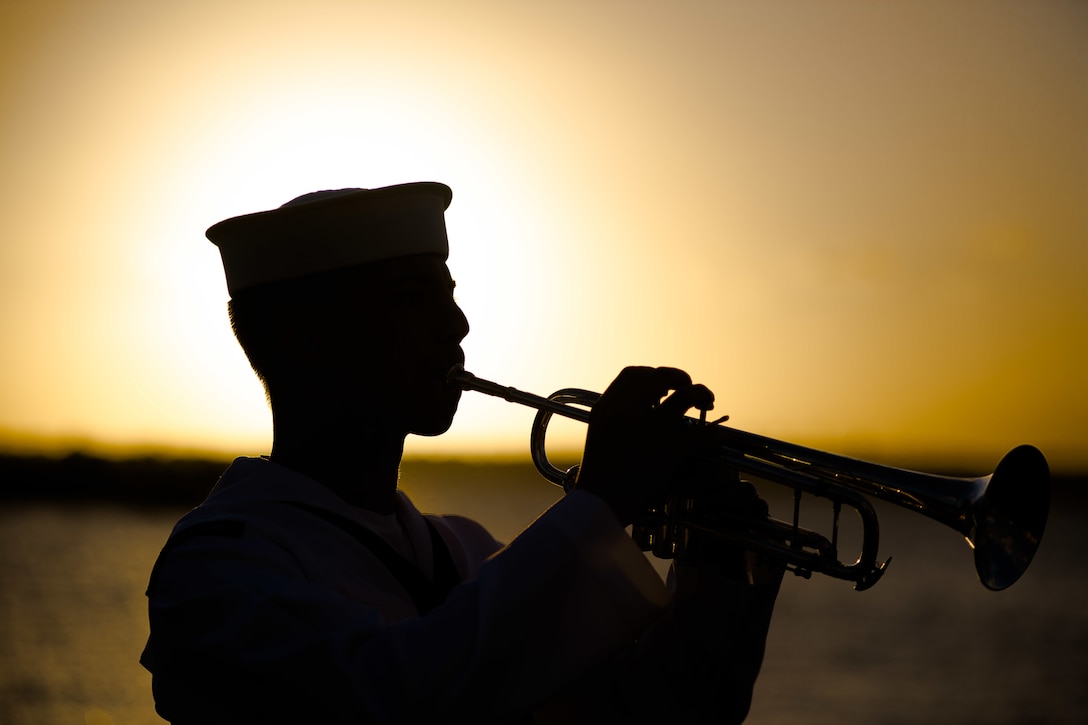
{"points": [[864, 225]]}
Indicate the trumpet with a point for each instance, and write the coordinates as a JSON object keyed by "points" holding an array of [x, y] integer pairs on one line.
{"points": [[1002, 515]]}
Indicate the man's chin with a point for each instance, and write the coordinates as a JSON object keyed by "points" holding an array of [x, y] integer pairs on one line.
{"points": [[435, 426], [433, 414], [431, 431]]}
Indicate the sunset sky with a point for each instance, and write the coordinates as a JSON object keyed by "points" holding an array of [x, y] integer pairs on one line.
{"points": [[863, 224]]}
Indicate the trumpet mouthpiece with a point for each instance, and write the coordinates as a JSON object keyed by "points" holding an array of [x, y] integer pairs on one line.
{"points": [[458, 374]]}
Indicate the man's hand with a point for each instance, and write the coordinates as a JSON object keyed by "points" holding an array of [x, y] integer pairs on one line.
{"points": [[637, 439], [721, 501]]}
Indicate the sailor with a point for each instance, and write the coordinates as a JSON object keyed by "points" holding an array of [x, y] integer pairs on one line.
{"points": [[308, 588]]}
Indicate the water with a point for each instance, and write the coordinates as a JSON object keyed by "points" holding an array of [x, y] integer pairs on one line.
{"points": [[927, 645]]}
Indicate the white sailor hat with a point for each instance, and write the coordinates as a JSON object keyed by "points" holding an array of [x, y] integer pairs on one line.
{"points": [[327, 230]]}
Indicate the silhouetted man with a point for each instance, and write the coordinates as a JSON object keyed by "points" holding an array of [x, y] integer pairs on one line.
{"points": [[307, 588]]}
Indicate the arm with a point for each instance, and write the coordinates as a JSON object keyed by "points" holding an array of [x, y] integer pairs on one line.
{"points": [[697, 663], [700, 660]]}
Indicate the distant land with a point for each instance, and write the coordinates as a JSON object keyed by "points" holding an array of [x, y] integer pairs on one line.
{"points": [[81, 476], [174, 481]]}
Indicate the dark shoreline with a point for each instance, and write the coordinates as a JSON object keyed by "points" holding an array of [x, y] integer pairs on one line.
{"points": [[158, 481]]}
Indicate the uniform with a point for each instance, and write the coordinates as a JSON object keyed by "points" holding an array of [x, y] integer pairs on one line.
{"points": [[269, 605]]}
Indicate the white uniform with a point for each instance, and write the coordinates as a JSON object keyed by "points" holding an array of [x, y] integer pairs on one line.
{"points": [[267, 606]]}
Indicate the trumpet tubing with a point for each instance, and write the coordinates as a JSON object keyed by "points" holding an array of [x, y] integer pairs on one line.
{"points": [[1001, 515]]}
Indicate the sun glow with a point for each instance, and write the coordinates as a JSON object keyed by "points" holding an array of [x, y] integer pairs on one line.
{"points": [[489, 267]]}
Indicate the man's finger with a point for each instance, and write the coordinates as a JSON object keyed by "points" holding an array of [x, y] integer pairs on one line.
{"points": [[688, 397], [643, 387]]}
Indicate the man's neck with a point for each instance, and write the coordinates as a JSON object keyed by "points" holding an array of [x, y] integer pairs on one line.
{"points": [[362, 467]]}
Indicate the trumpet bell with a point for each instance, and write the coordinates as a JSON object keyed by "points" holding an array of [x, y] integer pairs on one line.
{"points": [[1010, 517]]}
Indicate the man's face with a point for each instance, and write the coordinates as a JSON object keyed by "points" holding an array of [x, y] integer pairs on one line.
{"points": [[402, 332]]}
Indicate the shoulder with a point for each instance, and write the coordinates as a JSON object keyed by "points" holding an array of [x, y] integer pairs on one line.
{"points": [[469, 542], [462, 527]]}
